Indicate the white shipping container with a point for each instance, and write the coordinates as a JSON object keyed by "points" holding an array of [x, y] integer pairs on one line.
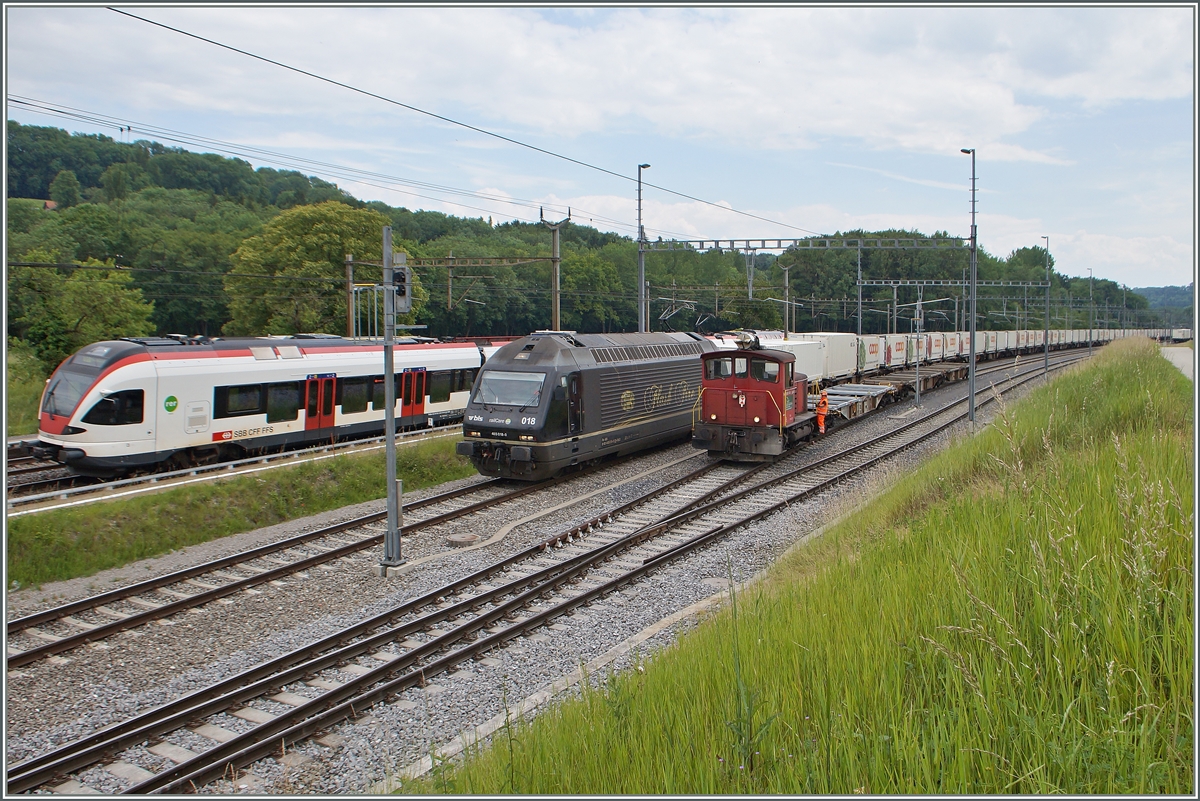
{"points": [[810, 355], [841, 353], [937, 347]]}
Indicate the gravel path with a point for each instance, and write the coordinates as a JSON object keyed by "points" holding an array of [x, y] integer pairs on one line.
{"points": [[62, 698]]}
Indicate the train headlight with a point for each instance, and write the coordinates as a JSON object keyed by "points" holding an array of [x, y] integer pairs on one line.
{"points": [[712, 417], [473, 434], [756, 419], [73, 430], [526, 437]]}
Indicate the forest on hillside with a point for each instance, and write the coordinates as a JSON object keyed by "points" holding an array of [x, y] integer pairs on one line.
{"points": [[139, 238]]}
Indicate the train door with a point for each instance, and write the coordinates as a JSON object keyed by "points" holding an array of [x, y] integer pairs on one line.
{"points": [[738, 406], [319, 408], [574, 404], [412, 394]]}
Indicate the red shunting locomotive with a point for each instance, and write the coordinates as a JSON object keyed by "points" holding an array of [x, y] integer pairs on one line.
{"points": [[752, 406]]}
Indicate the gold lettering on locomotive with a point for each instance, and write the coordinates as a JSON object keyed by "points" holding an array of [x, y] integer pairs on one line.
{"points": [[627, 400]]}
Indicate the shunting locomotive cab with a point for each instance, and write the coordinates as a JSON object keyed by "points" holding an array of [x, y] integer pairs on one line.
{"points": [[753, 405], [557, 399]]}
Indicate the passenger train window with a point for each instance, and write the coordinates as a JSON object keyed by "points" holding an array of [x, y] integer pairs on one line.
{"points": [[118, 409], [715, 369], [352, 394], [739, 366], [378, 393], [763, 370], [283, 401], [439, 386], [237, 401]]}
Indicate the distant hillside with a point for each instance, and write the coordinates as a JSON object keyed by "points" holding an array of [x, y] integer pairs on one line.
{"points": [[1177, 297]]}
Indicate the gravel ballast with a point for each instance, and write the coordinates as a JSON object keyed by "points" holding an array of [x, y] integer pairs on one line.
{"points": [[62, 698]]}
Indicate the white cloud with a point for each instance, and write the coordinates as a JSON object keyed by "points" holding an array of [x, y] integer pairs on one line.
{"points": [[917, 79]]}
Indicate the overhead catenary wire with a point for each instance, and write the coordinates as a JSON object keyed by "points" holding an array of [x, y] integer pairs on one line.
{"points": [[452, 121]]}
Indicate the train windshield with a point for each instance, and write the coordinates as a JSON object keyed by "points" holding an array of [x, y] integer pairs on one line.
{"points": [[66, 389], [763, 370], [510, 389]]}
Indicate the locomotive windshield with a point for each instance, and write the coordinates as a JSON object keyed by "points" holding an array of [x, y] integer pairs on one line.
{"points": [[510, 389]]}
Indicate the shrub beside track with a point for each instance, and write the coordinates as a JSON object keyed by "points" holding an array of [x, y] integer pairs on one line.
{"points": [[1015, 617]]}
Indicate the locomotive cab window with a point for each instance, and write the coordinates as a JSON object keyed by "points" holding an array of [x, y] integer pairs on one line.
{"points": [[763, 370], [715, 369], [118, 409], [509, 388], [740, 365]]}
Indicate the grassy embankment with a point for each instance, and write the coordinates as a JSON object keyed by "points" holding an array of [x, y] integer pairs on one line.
{"points": [[67, 543], [1014, 617]]}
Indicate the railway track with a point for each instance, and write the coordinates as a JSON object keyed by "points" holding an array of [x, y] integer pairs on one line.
{"points": [[307, 691], [29, 496]]}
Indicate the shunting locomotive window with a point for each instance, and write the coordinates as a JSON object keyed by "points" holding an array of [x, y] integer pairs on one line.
{"points": [[237, 401], [118, 409], [718, 368], [739, 366], [283, 401], [763, 370]]}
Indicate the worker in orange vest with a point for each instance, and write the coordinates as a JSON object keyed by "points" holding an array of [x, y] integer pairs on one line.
{"points": [[822, 410]]}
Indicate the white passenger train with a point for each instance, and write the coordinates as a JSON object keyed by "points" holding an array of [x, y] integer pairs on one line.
{"points": [[173, 402]]}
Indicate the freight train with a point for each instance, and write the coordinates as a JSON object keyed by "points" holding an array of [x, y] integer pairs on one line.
{"points": [[172, 402], [757, 401]]}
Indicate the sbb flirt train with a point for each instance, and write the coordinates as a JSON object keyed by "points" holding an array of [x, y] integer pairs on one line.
{"points": [[147, 403], [557, 399]]}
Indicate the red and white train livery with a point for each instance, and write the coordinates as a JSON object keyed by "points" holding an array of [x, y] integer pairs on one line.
{"points": [[140, 403]]}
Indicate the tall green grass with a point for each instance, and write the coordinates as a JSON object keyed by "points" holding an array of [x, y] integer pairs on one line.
{"points": [[67, 543], [25, 378], [1014, 617]]}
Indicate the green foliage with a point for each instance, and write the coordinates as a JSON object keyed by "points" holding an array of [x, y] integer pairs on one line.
{"points": [[25, 378], [184, 214], [64, 189], [1015, 617], [58, 311], [308, 245], [63, 544]]}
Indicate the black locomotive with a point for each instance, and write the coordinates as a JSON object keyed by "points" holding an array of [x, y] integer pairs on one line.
{"points": [[556, 399]]}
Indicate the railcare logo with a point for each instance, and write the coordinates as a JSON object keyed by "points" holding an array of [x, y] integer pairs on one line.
{"points": [[171, 403]]}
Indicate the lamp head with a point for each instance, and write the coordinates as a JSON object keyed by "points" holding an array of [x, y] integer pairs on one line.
{"points": [[643, 166], [968, 150]]}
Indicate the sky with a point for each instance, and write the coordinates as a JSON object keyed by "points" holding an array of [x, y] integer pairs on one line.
{"points": [[776, 121]]}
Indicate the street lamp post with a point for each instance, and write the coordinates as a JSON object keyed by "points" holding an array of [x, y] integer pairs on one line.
{"points": [[1091, 310], [641, 232], [974, 262], [1046, 333], [787, 302]]}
